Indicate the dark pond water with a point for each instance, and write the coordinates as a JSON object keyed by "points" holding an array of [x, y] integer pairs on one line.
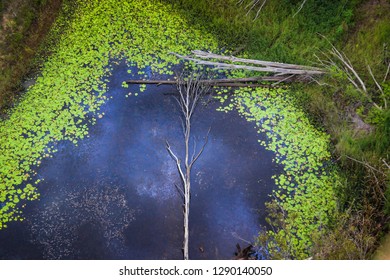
{"points": [[113, 195]]}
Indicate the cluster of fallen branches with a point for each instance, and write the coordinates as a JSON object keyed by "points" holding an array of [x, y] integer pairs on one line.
{"points": [[190, 90], [282, 72]]}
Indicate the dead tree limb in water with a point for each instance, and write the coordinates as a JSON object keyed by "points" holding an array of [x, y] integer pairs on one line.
{"points": [[208, 81], [234, 82], [190, 93]]}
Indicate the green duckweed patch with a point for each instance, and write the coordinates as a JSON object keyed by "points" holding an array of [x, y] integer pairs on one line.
{"points": [[306, 189], [68, 94]]}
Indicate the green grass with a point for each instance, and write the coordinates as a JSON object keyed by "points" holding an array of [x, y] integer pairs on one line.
{"points": [[276, 34]]}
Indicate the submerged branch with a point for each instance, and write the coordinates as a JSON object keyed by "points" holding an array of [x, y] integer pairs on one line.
{"points": [[220, 83]]}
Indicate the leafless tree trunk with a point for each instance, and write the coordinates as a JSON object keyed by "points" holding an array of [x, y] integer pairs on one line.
{"points": [[190, 92]]}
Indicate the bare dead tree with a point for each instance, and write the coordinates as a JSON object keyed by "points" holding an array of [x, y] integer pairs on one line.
{"points": [[190, 93]]}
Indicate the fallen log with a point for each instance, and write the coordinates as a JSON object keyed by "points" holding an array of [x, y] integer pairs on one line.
{"points": [[234, 82], [212, 83]]}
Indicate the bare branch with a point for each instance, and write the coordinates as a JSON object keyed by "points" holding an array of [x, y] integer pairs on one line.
{"points": [[181, 192], [387, 73], [283, 80], [348, 66], [194, 151], [300, 7], [177, 160], [344, 65], [234, 234], [208, 55], [211, 82], [259, 10], [202, 149], [251, 5], [387, 165], [365, 164], [378, 85]]}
